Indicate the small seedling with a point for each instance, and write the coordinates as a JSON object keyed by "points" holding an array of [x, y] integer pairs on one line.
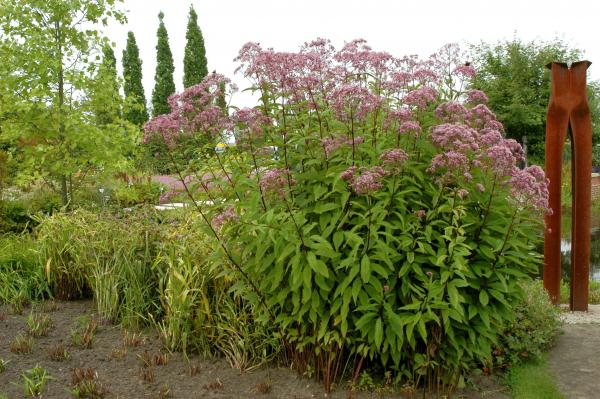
{"points": [[19, 303], [133, 339], [3, 364], [145, 358], [164, 393], [86, 385], [58, 353], [34, 381], [83, 335], [22, 344], [39, 325], [193, 369], [160, 359], [117, 353], [147, 374], [264, 387], [213, 385]]}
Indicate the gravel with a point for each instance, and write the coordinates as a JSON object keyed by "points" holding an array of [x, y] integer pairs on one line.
{"points": [[592, 316]]}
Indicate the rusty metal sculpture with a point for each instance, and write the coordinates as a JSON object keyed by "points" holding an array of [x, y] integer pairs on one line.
{"points": [[568, 107]]}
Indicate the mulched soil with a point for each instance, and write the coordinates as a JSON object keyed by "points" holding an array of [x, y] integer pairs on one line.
{"points": [[123, 375]]}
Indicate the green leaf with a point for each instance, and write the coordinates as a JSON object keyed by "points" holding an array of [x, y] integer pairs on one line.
{"points": [[317, 265], [378, 333], [365, 269], [483, 298]]}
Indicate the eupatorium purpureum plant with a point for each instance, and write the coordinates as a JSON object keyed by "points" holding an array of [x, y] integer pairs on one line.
{"points": [[372, 207]]}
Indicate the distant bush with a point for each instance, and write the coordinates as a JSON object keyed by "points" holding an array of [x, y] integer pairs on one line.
{"points": [[533, 330], [127, 195]]}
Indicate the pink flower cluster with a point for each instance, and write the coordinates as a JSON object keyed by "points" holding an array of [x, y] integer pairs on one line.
{"points": [[330, 144], [475, 97], [451, 112], [251, 121], [529, 188], [275, 181], [421, 97], [353, 102], [392, 160], [194, 111], [228, 215], [368, 181]]}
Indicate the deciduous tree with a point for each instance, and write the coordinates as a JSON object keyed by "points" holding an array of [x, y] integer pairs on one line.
{"points": [[53, 48], [513, 75]]}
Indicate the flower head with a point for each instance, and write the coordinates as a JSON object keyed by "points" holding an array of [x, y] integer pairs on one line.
{"points": [[369, 180], [275, 181], [529, 188]]}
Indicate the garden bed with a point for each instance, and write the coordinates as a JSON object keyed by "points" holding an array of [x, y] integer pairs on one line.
{"points": [[120, 365]]}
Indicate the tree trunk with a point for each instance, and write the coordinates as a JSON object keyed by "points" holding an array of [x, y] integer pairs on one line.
{"points": [[64, 189]]}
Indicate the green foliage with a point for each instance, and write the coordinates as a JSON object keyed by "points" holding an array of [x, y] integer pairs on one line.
{"points": [[164, 85], [34, 381], [144, 266], [533, 380], [135, 110], [126, 195], [534, 329], [14, 217], [413, 277], [513, 75], [194, 59], [52, 90], [21, 277], [594, 295], [106, 98]]}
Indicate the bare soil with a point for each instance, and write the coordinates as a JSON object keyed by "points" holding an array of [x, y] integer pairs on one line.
{"points": [[120, 368]]}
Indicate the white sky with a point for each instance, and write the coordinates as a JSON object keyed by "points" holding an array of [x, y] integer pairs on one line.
{"points": [[400, 27]]}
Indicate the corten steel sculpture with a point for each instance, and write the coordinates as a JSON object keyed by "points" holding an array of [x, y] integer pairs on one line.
{"points": [[568, 107]]}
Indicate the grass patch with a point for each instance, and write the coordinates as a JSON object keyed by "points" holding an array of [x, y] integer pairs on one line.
{"points": [[533, 380]]}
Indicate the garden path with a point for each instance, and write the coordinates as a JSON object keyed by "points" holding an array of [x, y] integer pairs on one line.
{"points": [[575, 360]]}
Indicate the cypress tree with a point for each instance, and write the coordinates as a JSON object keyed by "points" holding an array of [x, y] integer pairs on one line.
{"points": [[194, 60], [164, 85], [106, 93], [136, 111]]}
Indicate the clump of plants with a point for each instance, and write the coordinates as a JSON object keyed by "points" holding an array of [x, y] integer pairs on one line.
{"points": [[85, 384], [34, 381], [58, 353], [83, 334], [22, 344], [372, 212], [39, 324], [534, 329], [21, 277], [133, 339]]}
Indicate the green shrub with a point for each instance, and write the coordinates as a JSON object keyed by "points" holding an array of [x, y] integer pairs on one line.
{"points": [[594, 292], [144, 265], [136, 194], [21, 276], [533, 330], [373, 227], [14, 217]]}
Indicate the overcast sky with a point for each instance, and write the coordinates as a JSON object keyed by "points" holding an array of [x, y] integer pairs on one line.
{"points": [[400, 27]]}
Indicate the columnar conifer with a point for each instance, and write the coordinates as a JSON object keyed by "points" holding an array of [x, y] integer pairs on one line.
{"points": [[194, 60], [164, 85], [136, 111]]}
